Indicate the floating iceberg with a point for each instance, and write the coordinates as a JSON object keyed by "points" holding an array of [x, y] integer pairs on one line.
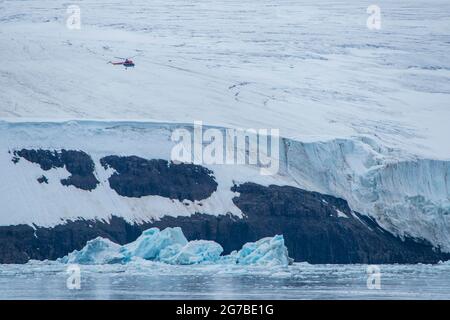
{"points": [[152, 241], [194, 252], [266, 251], [96, 251], [171, 246]]}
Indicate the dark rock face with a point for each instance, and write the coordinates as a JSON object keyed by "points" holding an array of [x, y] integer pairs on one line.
{"points": [[315, 232], [42, 179], [78, 163], [45, 158], [23, 243], [313, 229], [138, 177]]}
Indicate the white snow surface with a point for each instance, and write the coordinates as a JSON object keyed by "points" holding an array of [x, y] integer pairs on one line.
{"points": [[310, 68]]}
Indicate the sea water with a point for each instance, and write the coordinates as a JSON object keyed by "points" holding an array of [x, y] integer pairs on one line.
{"points": [[152, 280]]}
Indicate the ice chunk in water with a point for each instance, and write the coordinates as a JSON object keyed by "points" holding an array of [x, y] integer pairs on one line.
{"points": [[97, 251], [194, 252], [149, 245], [171, 246], [266, 251]]}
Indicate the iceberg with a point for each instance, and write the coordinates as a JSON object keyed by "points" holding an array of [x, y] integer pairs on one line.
{"points": [[171, 246], [97, 251], [194, 252], [266, 251], [152, 241]]}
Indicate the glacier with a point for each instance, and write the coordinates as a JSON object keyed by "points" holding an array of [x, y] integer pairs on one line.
{"points": [[363, 118], [290, 63], [170, 246], [407, 194]]}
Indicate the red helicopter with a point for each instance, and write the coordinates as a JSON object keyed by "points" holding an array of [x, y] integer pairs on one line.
{"points": [[127, 62]]}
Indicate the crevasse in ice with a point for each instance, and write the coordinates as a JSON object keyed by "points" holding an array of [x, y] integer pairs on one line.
{"points": [[171, 246]]}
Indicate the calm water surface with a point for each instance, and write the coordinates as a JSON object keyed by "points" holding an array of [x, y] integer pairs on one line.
{"points": [[47, 280]]}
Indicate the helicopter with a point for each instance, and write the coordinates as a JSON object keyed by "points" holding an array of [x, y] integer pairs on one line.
{"points": [[127, 62]]}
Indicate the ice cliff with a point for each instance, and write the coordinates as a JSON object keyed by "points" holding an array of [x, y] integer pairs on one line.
{"points": [[407, 195]]}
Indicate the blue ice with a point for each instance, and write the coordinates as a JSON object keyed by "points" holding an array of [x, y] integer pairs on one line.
{"points": [[171, 246]]}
